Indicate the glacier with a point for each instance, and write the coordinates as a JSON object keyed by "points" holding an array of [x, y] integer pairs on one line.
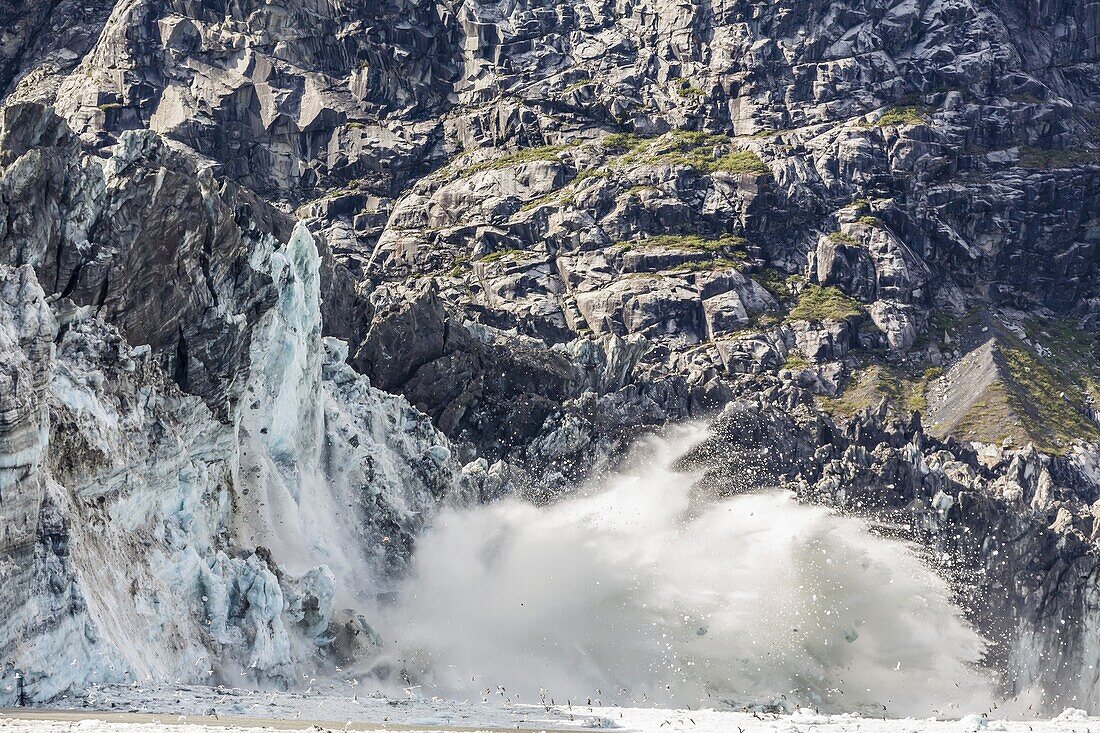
{"points": [[153, 541]]}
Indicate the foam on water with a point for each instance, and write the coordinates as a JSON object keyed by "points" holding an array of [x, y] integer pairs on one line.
{"points": [[638, 590]]}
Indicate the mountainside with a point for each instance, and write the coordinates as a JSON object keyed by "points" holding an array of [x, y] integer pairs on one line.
{"points": [[280, 280]]}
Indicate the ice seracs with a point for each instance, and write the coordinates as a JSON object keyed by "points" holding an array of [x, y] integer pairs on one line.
{"points": [[145, 539]]}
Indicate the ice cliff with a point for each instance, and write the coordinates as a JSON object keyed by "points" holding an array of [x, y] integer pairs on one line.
{"points": [[148, 537]]}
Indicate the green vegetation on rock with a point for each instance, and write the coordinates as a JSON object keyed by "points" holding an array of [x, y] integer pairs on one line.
{"points": [[942, 323], [550, 198], [1047, 385], [903, 389], [718, 253], [777, 283], [909, 114], [1049, 159], [741, 161], [992, 419], [687, 89], [1042, 398], [1039, 389], [702, 151], [562, 194], [727, 243], [795, 361], [1068, 350], [523, 155], [514, 158], [461, 266], [842, 238], [623, 142], [764, 321], [816, 303]]}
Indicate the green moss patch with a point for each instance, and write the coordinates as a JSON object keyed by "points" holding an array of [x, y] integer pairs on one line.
{"points": [[461, 266], [992, 419], [816, 303], [519, 157], [795, 361], [908, 114], [903, 389], [779, 284], [720, 263], [579, 84], [1050, 159], [504, 254], [623, 142], [1038, 391], [1073, 353], [764, 321], [842, 238], [701, 151], [741, 161], [1048, 387], [687, 89]]}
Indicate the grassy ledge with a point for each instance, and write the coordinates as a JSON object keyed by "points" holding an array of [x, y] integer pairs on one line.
{"points": [[503, 254], [842, 238], [1047, 385], [903, 389], [1045, 159], [701, 151], [816, 303], [908, 114]]}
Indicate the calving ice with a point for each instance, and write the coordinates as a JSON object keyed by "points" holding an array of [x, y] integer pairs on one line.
{"points": [[242, 543]]}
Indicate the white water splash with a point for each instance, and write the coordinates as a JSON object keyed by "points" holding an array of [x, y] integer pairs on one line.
{"points": [[638, 591]]}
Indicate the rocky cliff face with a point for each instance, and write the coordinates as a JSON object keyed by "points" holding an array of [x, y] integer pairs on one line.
{"points": [[546, 227]]}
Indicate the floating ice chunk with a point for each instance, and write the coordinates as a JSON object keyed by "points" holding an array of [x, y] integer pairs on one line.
{"points": [[809, 716], [976, 722], [600, 723], [973, 722]]}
